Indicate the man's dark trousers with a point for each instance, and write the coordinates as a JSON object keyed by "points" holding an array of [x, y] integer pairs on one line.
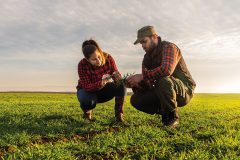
{"points": [[167, 94]]}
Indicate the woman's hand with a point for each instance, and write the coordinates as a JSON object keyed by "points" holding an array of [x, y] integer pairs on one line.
{"points": [[106, 78], [104, 82], [116, 76]]}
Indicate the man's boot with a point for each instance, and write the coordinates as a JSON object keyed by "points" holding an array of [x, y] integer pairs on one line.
{"points": [[172, 119], [165, 118], [87, 114]]}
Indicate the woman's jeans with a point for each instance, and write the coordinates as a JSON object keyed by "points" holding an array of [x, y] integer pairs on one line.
{"points": [[88, 100]]}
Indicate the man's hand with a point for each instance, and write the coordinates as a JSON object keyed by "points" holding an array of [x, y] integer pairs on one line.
{"points": [[134, 80]]}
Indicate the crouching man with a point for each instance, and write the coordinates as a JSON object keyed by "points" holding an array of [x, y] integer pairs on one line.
{"points": [[165, 82]]}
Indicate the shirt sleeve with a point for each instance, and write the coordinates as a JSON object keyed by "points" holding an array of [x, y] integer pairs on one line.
{"points": [[170, 59], [113, 66], [85, 80]]}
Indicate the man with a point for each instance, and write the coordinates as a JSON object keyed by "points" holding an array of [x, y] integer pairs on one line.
{"points": [[165, 82]]}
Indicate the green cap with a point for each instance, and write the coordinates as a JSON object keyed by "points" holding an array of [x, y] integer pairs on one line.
{"points": [[144, 32]]}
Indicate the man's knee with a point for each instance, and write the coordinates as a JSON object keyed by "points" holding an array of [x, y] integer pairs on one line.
{"points": [[144, 103], [164, 82], [164, 86], [135, 101]]}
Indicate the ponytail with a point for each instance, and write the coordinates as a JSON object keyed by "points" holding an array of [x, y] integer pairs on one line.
{"points": [[90, 46]]}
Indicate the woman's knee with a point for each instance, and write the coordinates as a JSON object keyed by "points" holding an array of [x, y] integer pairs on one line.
{"points": [[86, 100], [88, 104]]}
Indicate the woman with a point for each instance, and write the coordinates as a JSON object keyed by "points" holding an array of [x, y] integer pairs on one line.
{"points": [[97, 76]]}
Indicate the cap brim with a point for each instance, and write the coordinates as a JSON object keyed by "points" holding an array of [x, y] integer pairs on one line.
{"points": [[137, 41]]}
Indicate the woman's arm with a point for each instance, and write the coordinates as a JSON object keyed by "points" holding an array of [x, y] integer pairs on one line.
{"points": [[85, 80], [116, 75]]}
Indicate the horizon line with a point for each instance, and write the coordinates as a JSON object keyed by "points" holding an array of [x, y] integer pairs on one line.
{"points": [[71, 92]]}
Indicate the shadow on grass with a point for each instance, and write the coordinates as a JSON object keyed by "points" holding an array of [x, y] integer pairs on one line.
{"points": [[46, 129], [43, 125], [51, 127]]}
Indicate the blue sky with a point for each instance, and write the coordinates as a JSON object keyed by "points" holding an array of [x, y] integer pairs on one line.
{"points": [[40, 41]]}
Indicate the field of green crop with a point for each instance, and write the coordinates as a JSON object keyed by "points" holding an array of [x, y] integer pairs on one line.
{"points": [[50, 126]]}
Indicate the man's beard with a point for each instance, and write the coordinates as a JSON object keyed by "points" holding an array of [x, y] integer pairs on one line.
{"points": [[151, 48]]}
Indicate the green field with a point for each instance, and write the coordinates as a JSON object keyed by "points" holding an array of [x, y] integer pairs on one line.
{"points": [[50, 126]]}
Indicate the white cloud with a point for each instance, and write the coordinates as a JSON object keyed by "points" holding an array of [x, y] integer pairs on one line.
{"points": [[47, 35]]}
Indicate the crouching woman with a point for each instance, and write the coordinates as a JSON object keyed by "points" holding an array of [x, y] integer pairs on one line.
{"points": [[97, 76]]}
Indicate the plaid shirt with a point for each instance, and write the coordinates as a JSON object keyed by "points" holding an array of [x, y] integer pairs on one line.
{"points": [[90, 77], [170, 59]]}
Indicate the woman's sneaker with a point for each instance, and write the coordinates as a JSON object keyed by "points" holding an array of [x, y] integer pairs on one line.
{"points": [[87, 115], [119, 117]]}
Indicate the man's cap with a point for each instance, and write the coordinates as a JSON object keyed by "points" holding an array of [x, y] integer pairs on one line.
{"points": [[144, 32]]}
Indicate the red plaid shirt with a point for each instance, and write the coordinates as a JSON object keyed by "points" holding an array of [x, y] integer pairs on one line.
{"points": [[170, 59], [90, 77]]}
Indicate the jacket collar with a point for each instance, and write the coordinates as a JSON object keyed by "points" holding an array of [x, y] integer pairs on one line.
{"points": [[157, 50]]}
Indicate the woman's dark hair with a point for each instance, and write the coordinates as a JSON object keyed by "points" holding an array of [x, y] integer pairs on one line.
{"points": [[89, 47]]}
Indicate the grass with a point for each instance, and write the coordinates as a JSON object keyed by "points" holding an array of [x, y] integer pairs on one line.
{"points": [[49, 126]]}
